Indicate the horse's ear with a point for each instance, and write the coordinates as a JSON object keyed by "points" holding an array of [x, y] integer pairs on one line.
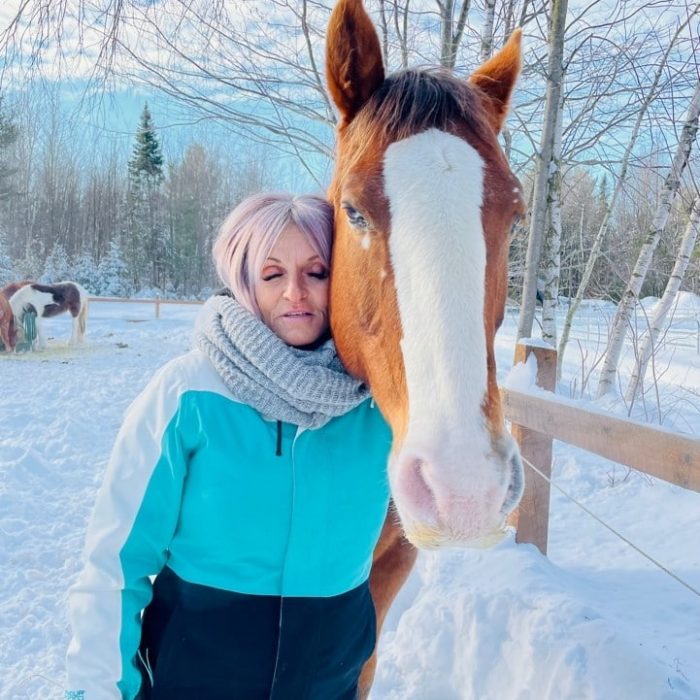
{"points": [[496, 78], [354, 66]]}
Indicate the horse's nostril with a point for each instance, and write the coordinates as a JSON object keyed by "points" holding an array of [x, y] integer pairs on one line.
{"points": [[420, 489]]}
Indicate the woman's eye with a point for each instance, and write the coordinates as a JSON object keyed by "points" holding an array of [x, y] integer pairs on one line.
{"points": [[355, 218], [271, 276], [319, 274]]}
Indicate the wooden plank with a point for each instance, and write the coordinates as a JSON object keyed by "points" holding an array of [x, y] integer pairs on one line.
{"points": [[531, 519], [653, 450], [124, 300]]}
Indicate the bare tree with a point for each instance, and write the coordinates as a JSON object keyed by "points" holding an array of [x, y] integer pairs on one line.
{"points": [[611, 205], [452, 30], [487, 32], [551, 260], [667, 195], [555, 74], [658, 318]]}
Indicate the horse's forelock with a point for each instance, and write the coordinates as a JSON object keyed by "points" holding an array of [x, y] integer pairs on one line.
{"points": [[410, 102]]}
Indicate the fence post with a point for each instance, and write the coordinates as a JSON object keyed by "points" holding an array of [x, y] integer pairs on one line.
{"points": [[157, 307], [532, 517]]}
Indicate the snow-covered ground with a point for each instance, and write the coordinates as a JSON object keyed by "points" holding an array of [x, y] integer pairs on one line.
{"points": [[595, 620]]}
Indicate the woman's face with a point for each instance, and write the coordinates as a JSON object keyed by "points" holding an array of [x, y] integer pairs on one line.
{"points": [[292, 290]]}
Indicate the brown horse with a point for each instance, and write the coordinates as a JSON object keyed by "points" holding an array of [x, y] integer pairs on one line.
{"points": [[8, 330], [8, 323], [424, 202]]}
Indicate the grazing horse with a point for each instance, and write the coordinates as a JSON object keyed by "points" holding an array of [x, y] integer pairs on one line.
{"points": [[50, 300], [9, 289], [424, 203], [8, 330]]}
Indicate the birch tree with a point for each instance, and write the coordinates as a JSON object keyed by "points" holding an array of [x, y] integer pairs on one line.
{"points": [[669, 190], [487, 31], [661, 310], [555, 75], [611, 204], [551, 263]]}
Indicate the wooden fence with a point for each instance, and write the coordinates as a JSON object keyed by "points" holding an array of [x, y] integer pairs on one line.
{"points": [[538, 419], [156, 302]]}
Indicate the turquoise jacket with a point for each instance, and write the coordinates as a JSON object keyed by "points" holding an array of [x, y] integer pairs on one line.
{"points": [[196, 482]]}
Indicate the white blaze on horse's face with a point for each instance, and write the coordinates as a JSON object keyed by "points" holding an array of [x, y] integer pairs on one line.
{"points": [[450, 483]]}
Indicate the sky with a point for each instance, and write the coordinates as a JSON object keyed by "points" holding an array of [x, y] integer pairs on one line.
{"points": [[108, 113]]}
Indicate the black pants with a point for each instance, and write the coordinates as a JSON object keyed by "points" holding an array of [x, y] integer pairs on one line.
{"points": [[205, 643]]}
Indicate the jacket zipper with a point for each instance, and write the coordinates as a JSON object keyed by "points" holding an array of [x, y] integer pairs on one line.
{"points": [[291, 520], [278, 451]]}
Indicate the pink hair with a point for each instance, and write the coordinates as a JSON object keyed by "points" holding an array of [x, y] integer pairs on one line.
{"points": [[251, 230]]}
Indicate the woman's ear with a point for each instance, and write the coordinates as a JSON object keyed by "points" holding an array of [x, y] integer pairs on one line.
{"points": [[354, 66]]}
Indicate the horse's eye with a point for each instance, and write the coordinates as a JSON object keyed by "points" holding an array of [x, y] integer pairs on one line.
{"points": [[355, 218]]}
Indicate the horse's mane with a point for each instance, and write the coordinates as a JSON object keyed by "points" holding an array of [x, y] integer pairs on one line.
{"points": [[412, 101]]}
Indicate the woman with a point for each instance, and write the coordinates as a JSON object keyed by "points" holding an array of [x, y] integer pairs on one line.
{"points": [[249, 476]]}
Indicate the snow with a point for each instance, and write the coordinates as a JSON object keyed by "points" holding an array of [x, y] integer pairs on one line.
{"points": [[522, 376], [593, 621]]}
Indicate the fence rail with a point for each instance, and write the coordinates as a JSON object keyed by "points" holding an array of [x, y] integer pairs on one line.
{"points": [[157, 302], [538, 419]]}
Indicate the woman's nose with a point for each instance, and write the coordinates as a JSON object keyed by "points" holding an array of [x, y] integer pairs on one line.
{"points": [[295, 290]]}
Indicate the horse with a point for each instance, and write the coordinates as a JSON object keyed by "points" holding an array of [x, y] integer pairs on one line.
{"points": [[49, 300], [8, 325], [9, 289], [424, 203], [8, 329]]}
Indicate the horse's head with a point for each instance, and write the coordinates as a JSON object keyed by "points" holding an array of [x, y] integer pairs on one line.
{"points": [[424, 202]]}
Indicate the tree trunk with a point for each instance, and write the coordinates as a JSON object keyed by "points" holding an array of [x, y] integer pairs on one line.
{"points": [[626, 306], [555, 73], [451, 34], [384, 31], [552, 249], [487, 33], [658, 319], [603, 230]]}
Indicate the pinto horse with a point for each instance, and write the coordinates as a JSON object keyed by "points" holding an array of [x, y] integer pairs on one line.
{"points": [[424, 203], [49, 300], [9, 289]]}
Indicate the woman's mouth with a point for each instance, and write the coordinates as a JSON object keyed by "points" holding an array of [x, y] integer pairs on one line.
{"points": [[297, 315]]}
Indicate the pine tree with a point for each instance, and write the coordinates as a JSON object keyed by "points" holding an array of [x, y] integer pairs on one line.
{"points": [[603, 191], [7, 268], [147, 239], [31, 267], [8, 135], [146, 158], [84, 272], [113, 273], [56, 266]]}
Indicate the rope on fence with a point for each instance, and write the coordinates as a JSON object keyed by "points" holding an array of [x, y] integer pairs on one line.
{"points": [[656, 563]]}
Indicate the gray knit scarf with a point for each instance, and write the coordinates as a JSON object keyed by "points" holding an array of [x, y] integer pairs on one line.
{"points": [[304, 387]]}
